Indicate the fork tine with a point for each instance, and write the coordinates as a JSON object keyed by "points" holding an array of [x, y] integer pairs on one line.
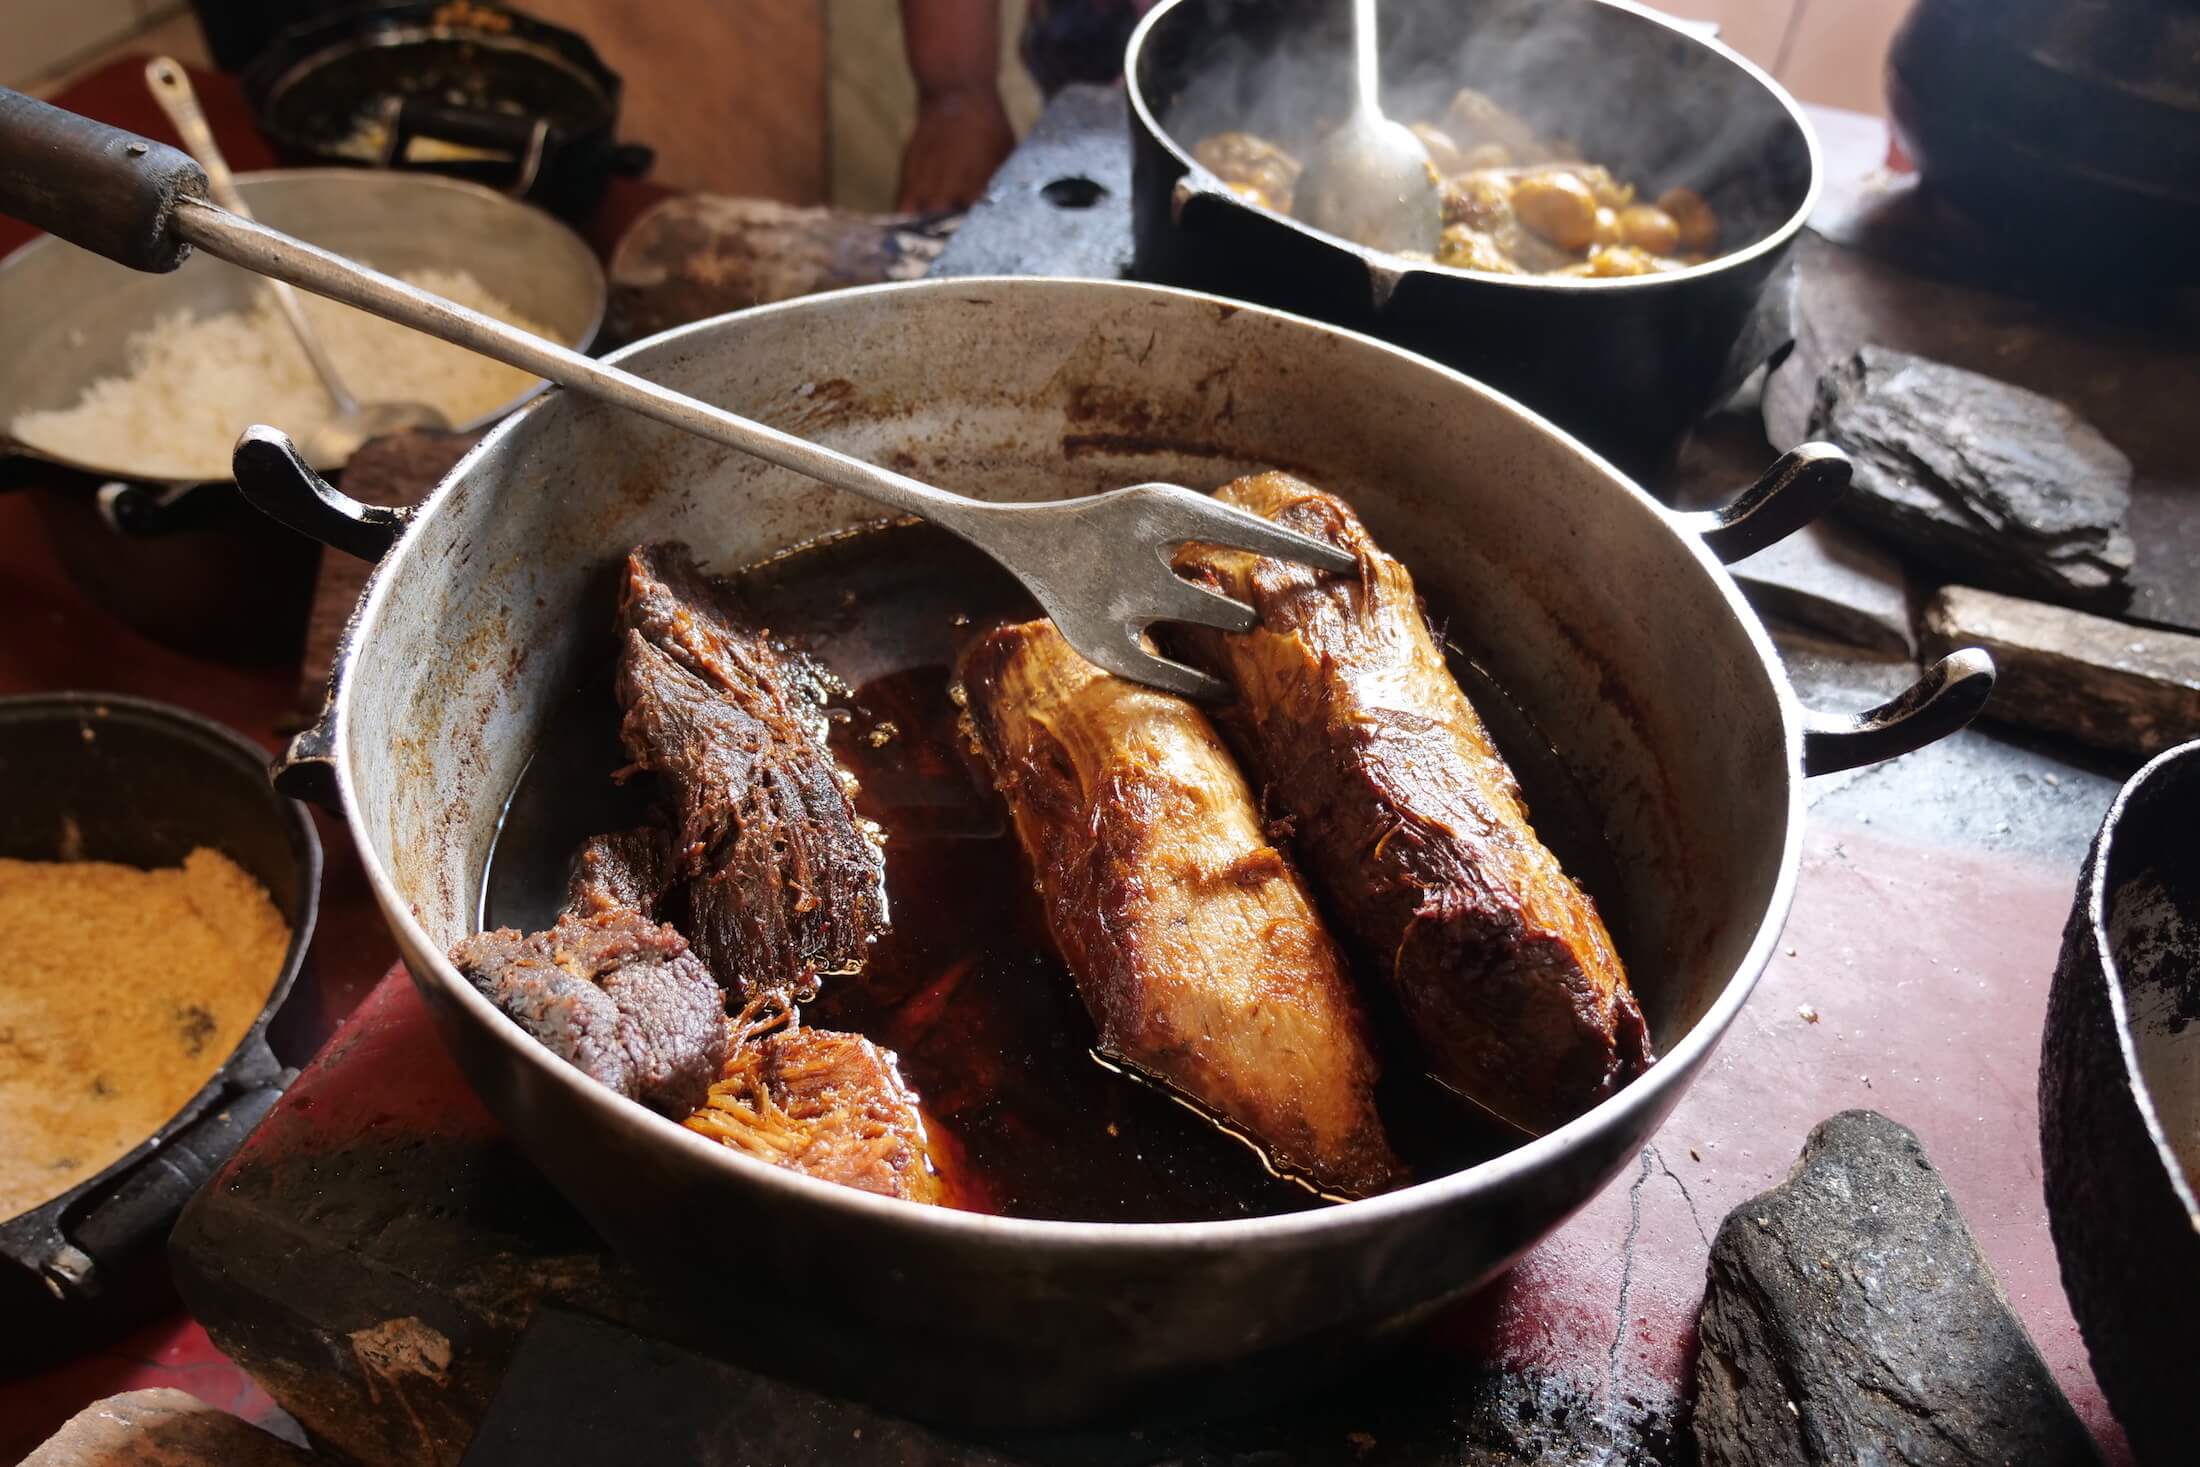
{"points": [[1182, 600], [1124, 651], [1211, 522], [1173, 677]]}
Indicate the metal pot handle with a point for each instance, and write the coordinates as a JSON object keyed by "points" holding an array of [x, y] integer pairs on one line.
{"points": [[276, 480], [135, 1218], [1947, 697], [1801, 485]]}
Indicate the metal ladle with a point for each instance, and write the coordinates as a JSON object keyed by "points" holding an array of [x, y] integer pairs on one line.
{"points": [[1370, 180], [331, 445]]}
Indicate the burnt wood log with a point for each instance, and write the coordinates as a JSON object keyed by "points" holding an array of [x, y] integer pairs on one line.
{"points": [[702, 255], [1849, 1317], [2106, 683], [1983, 481]]}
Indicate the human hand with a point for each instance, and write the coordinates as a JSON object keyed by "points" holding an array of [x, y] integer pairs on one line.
{"points": [[960, 137]]}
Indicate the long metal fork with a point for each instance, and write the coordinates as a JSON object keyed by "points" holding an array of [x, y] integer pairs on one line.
{"points": [[1098, 565]]}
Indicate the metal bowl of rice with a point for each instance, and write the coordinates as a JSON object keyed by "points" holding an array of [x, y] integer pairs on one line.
{"points": [[150, 378]]}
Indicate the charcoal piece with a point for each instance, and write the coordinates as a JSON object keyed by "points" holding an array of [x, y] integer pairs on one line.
{"points": [[1983, 481], [617, 996], [1849, 1317], [2132, 689], [784, 880], [627, 872]]}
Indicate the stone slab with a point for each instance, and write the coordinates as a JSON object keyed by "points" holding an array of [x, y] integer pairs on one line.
{"points": [[2134, 690]]}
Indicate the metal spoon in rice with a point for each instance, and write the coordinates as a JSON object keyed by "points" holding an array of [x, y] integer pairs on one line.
{"points": [[1370, 180], [331, 445]]}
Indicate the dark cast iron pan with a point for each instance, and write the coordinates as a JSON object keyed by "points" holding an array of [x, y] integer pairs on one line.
{"points": [[536, 97], [2120, 1105], [94, 776], [1629, 365]]}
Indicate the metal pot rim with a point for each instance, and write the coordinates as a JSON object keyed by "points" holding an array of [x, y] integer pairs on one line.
{"points": [[599, 302], [2097, 898], [1654, 1092], [1398, 269]]}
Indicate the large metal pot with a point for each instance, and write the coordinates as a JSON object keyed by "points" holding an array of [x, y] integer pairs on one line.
{"points": [[1629, 365], [1606, 615]]}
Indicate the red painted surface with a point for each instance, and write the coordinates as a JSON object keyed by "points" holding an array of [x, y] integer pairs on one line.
{"points": [[1928, 971], [170, 1352]]}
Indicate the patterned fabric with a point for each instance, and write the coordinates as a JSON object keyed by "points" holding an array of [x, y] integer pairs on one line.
{"points": [[1067, 41]]}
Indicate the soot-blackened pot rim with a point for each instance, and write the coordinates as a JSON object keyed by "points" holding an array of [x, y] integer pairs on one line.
{"points": [[1658, 1089], [1400, 268], [2098, 897]]}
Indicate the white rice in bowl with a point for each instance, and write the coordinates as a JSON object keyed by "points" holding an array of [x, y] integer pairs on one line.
{"points": [[194, 384]]}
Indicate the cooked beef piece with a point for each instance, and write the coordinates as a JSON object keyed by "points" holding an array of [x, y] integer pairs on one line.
{"points": [[1191, 938], [784, 880], [618, 996], [828, 1105], [627, 872], [1411, 824]]}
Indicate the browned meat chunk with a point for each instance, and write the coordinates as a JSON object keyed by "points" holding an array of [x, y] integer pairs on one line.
{"points": [[627, 872], [616, 995], [1252, 166], [1193, 943], [828, 1105], [1411, 823], [783, 879]]}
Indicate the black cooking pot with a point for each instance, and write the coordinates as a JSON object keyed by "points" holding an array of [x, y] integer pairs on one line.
{"points": [[1629, 365], [533, 105], [107, 778], [2075, 124], [2120, 1105]]}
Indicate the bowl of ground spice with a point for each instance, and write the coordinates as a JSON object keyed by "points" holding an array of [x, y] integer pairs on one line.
{"points": [[156, 900]]}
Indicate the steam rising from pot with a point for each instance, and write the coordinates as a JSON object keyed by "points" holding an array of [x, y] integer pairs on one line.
{"points": [[1655, 105]]}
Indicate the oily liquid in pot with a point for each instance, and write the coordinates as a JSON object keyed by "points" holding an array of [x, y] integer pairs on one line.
{"points": [[966, 988]]}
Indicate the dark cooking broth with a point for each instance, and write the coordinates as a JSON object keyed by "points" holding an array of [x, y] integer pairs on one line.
{"points": [[966, 988]]}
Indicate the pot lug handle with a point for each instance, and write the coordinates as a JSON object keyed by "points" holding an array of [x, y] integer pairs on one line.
{"points": [[1801, 485], [1947, 697], [276, 480], [126, 1229], [306, 770], [1188, 188]]}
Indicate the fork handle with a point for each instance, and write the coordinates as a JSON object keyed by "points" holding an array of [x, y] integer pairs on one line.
{"points": [[263, 251], [109, 191]]}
